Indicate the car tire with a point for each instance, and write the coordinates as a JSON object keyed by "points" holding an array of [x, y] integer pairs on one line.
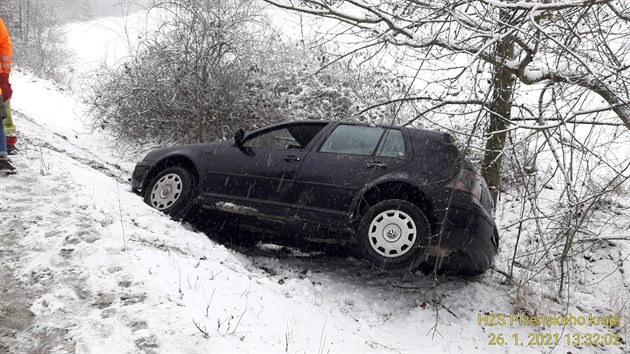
{"points": [[172, 192], [393, 234]]}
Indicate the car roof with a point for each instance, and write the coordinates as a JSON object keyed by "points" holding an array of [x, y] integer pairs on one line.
{"points": [[415, 132], [348, 122]]}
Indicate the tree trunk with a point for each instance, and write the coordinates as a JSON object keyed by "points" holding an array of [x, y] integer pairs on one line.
{"points": [[500, 106]]}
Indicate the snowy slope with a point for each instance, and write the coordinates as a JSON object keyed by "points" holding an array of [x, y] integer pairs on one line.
{"points": [[87, 267]]}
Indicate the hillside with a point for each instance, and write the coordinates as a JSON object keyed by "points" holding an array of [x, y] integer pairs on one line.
{"points": [[86, 267]]}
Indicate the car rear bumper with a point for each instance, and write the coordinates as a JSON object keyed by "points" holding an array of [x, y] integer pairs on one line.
{"points": [[469, 240]]}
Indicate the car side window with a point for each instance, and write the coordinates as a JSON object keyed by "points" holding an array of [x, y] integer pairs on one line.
{"points": [[353, 140], [275, 139], [392, 144], [294, 137]]}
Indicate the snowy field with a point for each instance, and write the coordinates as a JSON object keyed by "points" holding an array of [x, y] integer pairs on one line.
{"points": [[87, 267]]}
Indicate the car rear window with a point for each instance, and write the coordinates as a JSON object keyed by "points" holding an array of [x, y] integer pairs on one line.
{"points": [[392, 144]]}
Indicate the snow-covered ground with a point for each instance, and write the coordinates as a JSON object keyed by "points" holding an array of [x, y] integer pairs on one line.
{"points": [[86, 266]]}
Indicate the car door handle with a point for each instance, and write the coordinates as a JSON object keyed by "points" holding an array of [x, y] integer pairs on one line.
{"points": [[376, 164], [292, 158]]}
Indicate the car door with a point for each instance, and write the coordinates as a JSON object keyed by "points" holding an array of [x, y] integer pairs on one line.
{"points": [[347, 159], [261, 172]]}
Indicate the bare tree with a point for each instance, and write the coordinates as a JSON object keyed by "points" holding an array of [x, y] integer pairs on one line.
{"points": [[548, 80], [38, 38], [578, 43]]}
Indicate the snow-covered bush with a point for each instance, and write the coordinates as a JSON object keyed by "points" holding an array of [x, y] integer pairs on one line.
{"points": [[213, 66]]}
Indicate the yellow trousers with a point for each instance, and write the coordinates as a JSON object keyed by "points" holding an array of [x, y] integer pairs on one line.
{"points": [[9, 127]]}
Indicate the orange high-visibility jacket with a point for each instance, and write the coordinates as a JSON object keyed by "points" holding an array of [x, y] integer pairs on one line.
{"points": [[6, 53], [6, 56]]}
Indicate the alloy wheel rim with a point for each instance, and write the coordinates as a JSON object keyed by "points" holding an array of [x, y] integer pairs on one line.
{"points": [[166, 191], [392, 233]]}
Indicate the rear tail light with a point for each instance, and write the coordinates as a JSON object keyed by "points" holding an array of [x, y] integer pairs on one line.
{"points": [[448, 138], [468, 181]]}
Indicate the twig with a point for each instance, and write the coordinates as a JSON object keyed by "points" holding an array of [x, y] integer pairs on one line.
{"points": [[203, 331], [322, 338], [122, 224], [246, 293]]}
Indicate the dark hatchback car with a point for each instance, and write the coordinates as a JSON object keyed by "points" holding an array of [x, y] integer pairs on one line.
{"points": [[401, 197]]}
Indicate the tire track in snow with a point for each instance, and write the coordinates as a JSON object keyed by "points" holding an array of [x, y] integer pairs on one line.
{"points": [[29, 141]]}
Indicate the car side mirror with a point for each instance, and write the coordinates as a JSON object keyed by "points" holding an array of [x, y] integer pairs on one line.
{"points": [[239, 136]]}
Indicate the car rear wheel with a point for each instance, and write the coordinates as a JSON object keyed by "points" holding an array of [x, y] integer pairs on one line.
{"points": [[392, 234], [171, 191]]}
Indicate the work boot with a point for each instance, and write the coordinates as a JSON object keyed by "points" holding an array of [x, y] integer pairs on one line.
{"points": [[5, 167]]}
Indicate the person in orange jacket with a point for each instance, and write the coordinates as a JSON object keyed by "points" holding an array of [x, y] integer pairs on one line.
{"points": [[6, 57]]}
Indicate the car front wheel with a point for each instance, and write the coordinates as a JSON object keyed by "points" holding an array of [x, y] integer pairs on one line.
{"points": [[392, 234], [171, 191]]}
